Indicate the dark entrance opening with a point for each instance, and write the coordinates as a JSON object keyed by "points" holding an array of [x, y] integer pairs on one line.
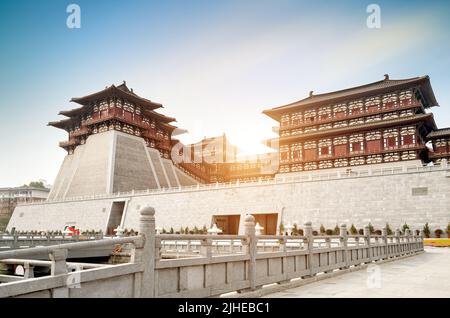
{"points": [[115, 218], [268, 222], [229, 224]]}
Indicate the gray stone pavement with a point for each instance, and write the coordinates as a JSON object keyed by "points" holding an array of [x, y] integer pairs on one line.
{"points": [[423, 275]]}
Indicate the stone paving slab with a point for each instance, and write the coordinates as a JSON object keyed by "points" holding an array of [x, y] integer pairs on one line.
{"points": [[423, 275]]}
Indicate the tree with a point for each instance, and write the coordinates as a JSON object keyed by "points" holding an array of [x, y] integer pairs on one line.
{"points": [[37, 184], [404, 228], [388, 229], [295, 229], [336, 230], [426, 230], [448, 230], [371, 229], [281, 228], [353, 230], [322, 229]]}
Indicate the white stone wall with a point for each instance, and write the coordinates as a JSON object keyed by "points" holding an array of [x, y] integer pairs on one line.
{"points": [[359, 200]]}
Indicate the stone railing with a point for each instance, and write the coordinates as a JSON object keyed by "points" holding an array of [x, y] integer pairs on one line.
{"points": [[15, 241], [200, 265], [279, 179]]}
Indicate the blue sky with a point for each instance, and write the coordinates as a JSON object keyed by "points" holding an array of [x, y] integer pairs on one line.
{"points": [[214, 65]]}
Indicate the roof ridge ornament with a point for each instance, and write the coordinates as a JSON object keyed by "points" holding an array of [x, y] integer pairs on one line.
{"points": [[386, 77], [311, 93]]}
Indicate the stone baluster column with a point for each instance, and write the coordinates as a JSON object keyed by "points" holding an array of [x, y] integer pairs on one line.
{"points": [[408, 240], [29, 270], [367, 241], [145, 253], [283, 248], [385, 243], [250, 232], [309, 239], [328, 242], [59, 267], [399, 248], [421, 236], [206, 251], [206, 247], [344, 244]]}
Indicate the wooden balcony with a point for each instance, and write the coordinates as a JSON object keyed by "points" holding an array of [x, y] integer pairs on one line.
{"points": [[118, 117], [80, 132], [152, 135], [357, 154], [191, 169], [405, 106], [68, 143]]}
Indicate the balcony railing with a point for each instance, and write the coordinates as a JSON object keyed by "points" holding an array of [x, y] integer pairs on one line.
{"points": [[68, 143], [354, 154], [411, 104]]}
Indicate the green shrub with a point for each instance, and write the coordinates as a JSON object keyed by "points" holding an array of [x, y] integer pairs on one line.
{"points": [[281, 228], [295, 230], [448, 229], [329, 232], [322, 229], [315, 233], [405, 227], [438, 233], [361, 231], [426, 230], [388, 230], [353, 230], [371, 229], [336, 230]]}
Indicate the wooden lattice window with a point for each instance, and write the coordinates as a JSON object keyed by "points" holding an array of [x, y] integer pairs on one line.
{"points": [[390, 101], [296, 152], [285, 119], [297, 119]]}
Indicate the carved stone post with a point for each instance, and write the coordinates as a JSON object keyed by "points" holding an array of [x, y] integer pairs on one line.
{"points": [[59, 267], [250, 232], [146, 253], [408, 240], [344, 243], [206, 248], [385, 242], [399, 248], [367, 240], [29, 270], [309, 240], [421, 236]]}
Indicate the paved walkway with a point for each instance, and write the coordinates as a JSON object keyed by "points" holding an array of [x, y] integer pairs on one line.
{"points": [[424, 275]]}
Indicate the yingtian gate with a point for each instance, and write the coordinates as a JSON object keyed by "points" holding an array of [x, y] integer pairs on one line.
{"points": [[371, 153]]}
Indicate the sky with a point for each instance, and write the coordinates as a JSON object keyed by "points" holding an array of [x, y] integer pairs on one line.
{"points": [[214, 65]]}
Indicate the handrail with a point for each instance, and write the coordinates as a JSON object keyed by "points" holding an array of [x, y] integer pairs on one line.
{"points": [[280, 179], [199, 237], [69, 246]]}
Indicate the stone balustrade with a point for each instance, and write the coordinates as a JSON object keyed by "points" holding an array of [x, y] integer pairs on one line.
{"points": [[279, 179], [15, 241], [202, 265]]}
